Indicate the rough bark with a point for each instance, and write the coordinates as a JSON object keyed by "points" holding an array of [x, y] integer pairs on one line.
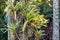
{"points": [[55, 19]]}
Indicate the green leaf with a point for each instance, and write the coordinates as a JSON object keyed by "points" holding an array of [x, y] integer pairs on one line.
{"points": [[6, 9], [23, 5], [17, 6], [13, 27], [39, 33]]}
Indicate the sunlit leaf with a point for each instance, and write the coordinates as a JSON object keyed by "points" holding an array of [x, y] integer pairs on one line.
{"points": [[39, 33], [13, 27]]}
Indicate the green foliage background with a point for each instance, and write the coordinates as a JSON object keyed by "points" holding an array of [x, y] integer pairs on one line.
{"points": [[3, 33]]}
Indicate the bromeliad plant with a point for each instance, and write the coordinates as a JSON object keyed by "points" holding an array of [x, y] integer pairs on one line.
{"points": [[37, 22], [34, 18], [31, 14]]}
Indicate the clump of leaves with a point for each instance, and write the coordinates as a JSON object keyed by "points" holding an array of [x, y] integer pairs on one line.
{"points": [[38, 33], [31, 15], [14, 8], [13, 27]]}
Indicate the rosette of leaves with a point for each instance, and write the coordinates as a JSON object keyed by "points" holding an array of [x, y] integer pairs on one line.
{"points": [[14, 8], [32, 14], [37, 22]]}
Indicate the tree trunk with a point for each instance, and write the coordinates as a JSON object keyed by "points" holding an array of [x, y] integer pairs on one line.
{"points": [[8, 24], [55, 19]]}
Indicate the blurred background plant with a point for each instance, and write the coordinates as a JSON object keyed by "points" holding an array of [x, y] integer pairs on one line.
{"points": [[3, 23]]}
